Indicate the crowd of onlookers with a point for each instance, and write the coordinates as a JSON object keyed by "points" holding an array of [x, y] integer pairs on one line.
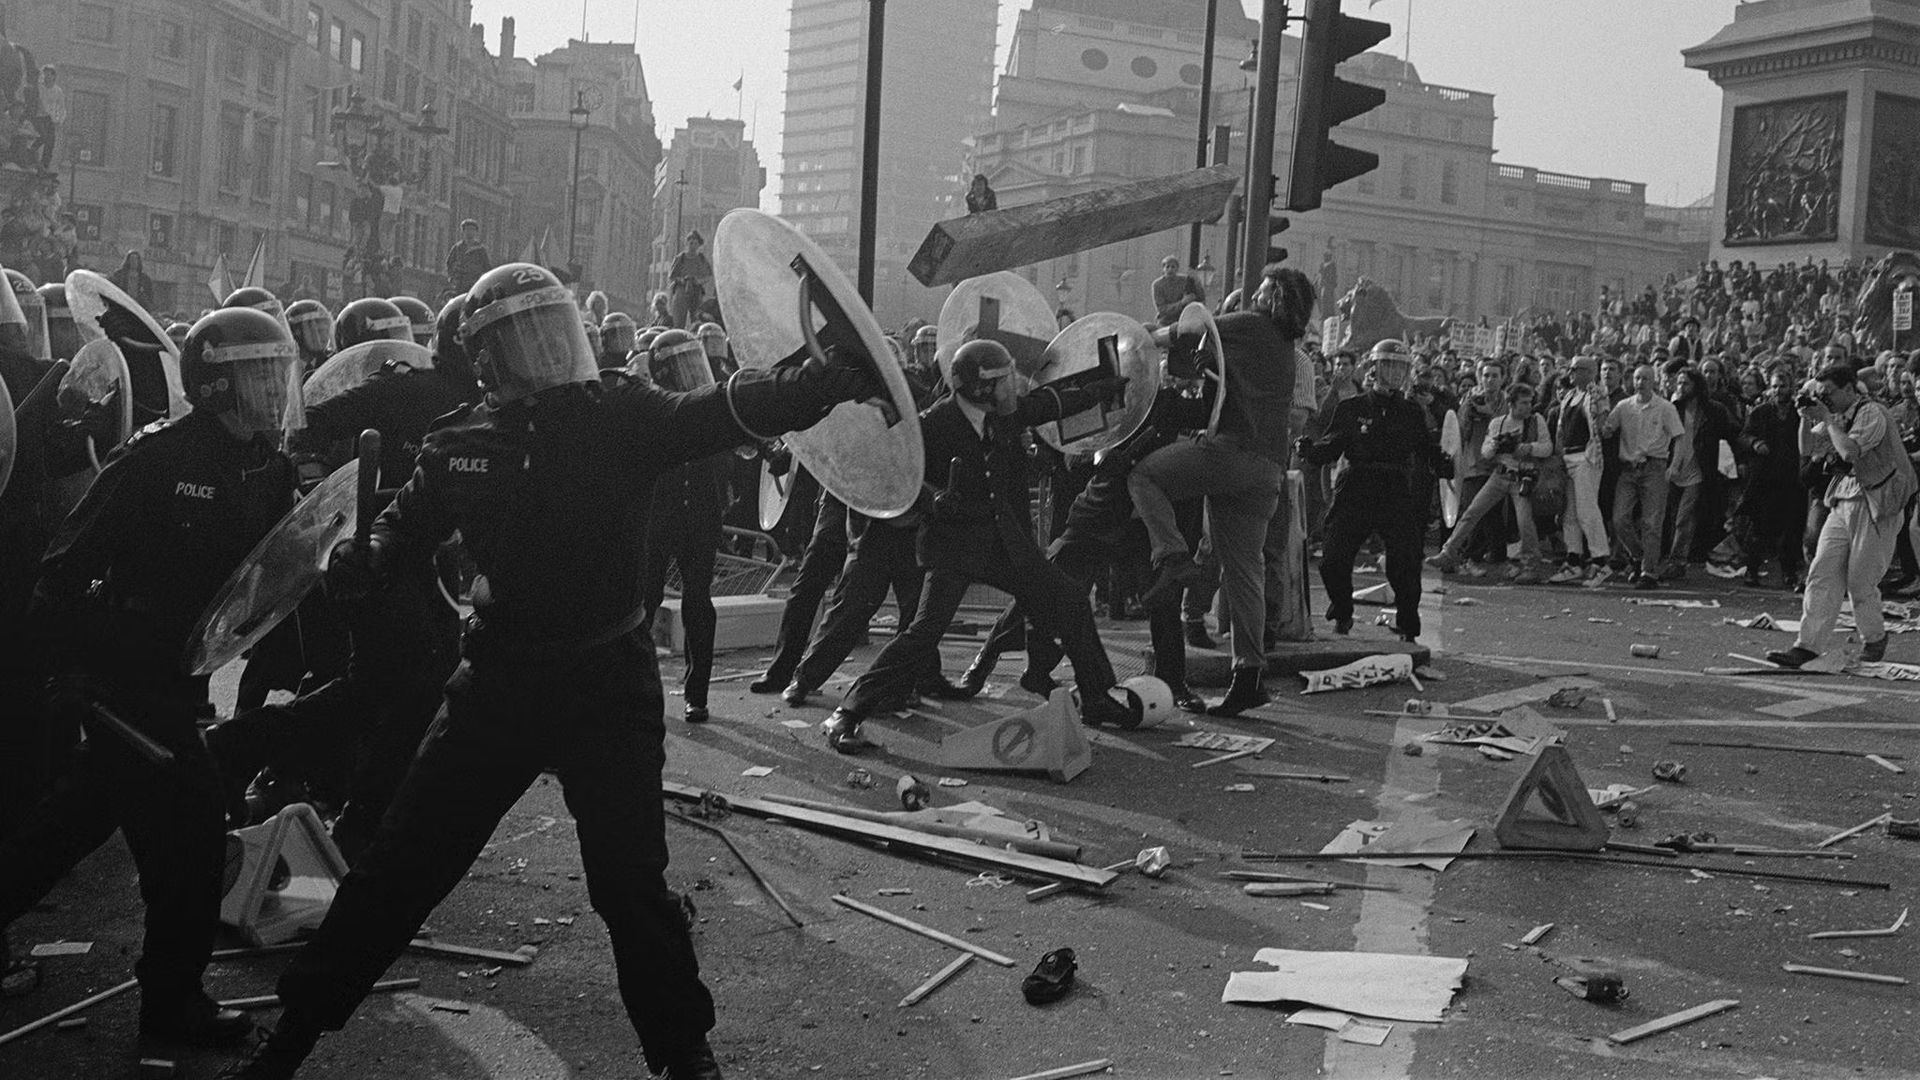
{"points": [[1654, 437]]}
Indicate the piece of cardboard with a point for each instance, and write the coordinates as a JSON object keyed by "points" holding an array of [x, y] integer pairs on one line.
{"points": [[1380, 986], [1046, 738], [1549, 808], [295, 838]]}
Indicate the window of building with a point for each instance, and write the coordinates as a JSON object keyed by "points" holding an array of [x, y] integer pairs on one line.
{"points": [[1456, 128], [1094, 59], [1190, 74], [233, 59], [357, 52], [268, 75], [410, 100], [95, 23], [170, 40], [226, 238], [1080, 159], [523, 98], [1437, 282], [315, 19], [413, 34], [321, 219], [1413, 121], [337, 40], [1409, 177], [160, 231], [265, 135], [1365, 183], [1450, 182], [87, 113], [233, 150], [303, 199], [166, 137], [433, 47], [1511, 200], [1144, 67], [1620, 215]]}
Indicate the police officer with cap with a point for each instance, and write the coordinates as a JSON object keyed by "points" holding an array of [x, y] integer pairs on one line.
{"points": [[548, 484], [174, 511], [978, 528], [1390, 449]]}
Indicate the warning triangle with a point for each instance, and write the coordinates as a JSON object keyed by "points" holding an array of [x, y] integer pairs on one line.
{"points": [[282, 876], [1046, 738], [1550, 808]]}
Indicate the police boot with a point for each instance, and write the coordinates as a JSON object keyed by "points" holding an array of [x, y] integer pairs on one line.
{"points": [[974, 679], [1243, 693], [276, 1057], [1101, 709], [1196, 633], [842, 730], [192, 1020], [694, 1063], [1186, 699]]}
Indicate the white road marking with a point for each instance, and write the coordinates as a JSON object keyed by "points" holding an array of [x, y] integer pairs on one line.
{"points": [[500, 1048], [1770, 684]]}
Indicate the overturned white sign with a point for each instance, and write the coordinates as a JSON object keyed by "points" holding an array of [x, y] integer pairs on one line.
{"points": [[1366, 671]]}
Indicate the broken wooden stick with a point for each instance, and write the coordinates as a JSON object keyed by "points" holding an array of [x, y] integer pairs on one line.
{"points": [[420, 945], [272, 1001], [1533, 936], [1791, 748], [1668, 1023], [1881, 760], [1269, 875], [938, 980], [752, 871], [924, 931], [1838, 973], [1288, 888], [1228, 756], [1886, 932], [1279, 774], [1045, 891], [1065, 1072], [1032, 845], [1855, 831], [58, 1015], [1586, 856]]}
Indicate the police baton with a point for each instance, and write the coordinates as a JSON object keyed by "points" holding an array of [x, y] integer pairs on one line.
{"points": [[138, 741], [365, 502], [42, 392]]}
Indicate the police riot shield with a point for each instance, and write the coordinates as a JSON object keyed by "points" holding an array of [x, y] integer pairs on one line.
{"points": [[774, 492], [786, 301], [154, 359], [1002, 307], [9, 437], [99, 382], [352, 366], [282, 568], [1097, 346]]}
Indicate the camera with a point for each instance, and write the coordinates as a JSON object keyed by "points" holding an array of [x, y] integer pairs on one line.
{"points": [[1807, 400], [1525, 485], [1506, 442]]}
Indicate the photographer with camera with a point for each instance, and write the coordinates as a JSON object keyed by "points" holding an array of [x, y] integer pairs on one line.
{"points": [[1869, 482], [1515, 443]]}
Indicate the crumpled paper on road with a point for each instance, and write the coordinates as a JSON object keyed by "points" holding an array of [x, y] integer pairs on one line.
{"points": [[1519, 730], [1386, 986]]}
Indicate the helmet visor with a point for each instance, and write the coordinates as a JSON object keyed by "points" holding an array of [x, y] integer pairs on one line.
{"points": [[530, 342], [312, 331], [264, 378], [681, 367]]}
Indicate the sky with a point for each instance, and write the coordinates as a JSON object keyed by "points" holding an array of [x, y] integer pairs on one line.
{"points": [[1593, 89]]}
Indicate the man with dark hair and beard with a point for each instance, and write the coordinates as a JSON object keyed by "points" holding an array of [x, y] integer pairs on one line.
{"points": [[1239, 468]]}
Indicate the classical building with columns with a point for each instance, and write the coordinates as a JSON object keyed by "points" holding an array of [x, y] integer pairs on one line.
{"points": [[1100, 92]]}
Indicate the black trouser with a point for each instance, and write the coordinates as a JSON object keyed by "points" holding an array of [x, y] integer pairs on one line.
{"points": [[1775, 519], [1054, 603], [309, 648], [172, 816], [693, 544], [819, 566], [1490, 537], [594, 715], [882, 558], [43, 131], [1382, 508], [362, 729]]}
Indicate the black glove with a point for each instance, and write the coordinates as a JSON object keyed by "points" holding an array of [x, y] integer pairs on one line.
{"points": [[354, 569], [1303, 448], [1110, 389], [126, 330], [847, 375], [779, 459], [1443, 467]]}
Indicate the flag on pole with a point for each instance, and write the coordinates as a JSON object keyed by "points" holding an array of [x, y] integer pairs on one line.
{"points": [[257, 267], [527, 254], [739, 82], [218, 283]]}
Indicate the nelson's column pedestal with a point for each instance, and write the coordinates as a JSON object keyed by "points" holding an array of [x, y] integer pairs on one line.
{"points": [[1819, 152]]}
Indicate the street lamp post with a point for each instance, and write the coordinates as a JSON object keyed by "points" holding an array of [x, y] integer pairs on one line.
{"points": [[577, 116], [679, 213]]}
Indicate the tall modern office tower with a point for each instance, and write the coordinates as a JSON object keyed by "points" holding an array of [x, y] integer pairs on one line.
{"points": [[936, 93]]}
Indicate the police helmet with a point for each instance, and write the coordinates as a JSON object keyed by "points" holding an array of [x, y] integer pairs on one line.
{"points": [[677, 361], [241, 364], [177, 332], [312, 327], [370, 319], [714, 339], [450, 357], [418, 314], [253, 296], [1150, 698], [1392, 363], [523, 330], [617, 332], [977, 365]]}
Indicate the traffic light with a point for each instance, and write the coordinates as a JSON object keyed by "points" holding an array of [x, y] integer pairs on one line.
{"points": [[1326, 100], [1275, 253]]}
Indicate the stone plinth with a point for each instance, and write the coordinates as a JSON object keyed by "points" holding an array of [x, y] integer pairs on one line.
{"points": [[1819, 153]]}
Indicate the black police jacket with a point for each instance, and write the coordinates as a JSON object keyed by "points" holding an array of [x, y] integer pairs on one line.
{"points": [[171, 515], [401, 406], [552, 494], [1384, 437]]}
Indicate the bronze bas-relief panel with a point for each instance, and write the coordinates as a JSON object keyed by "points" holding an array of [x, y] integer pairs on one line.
{"points": [[1893, 173], [1783, 173]]}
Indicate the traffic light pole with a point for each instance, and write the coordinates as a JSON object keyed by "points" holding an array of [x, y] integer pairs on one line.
{"points": [[1206, 106], [1266, 116], [870, 149]]}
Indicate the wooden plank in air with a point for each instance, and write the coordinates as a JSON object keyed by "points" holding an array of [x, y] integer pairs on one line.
{"points": [[964, 247]]}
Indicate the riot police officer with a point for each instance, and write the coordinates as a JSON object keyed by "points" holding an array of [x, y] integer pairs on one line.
{"points": [[556, 669], [171, 515], [312, 327], [370, 319], [1388, 446], [979, 529], [253, 296]]}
